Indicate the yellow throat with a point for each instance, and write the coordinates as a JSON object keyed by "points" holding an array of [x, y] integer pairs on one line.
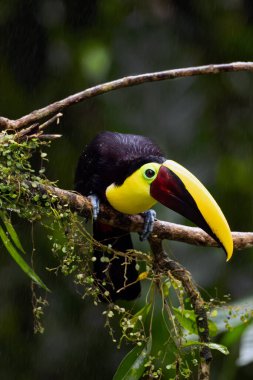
{"points": [[133, 196]]}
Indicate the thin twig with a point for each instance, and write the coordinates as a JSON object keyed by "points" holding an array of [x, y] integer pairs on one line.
{"points": [[48, 136], [128, 81], [37, 130], [56, 118], [26, 131]]}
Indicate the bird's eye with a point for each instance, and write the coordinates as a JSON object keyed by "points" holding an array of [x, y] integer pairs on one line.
{"points": [[149, 173]]}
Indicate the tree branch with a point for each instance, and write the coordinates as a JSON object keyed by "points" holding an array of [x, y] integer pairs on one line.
{"points": [[163, 264], [134, 223], [128, 81]]}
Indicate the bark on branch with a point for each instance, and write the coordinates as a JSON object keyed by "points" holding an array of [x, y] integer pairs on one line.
{"points": [[132, 80]]}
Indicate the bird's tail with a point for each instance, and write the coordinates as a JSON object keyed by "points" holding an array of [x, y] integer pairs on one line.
{"points": [[118, 276]]}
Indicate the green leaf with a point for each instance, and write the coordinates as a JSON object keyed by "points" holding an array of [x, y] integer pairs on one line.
{"points": [[213, 329], [166, 288], [11, 231], [234, 335], [133, 364], [212, 346], [187, 319], [20, 261], [142, 313], [245, 352], [218, 347]]}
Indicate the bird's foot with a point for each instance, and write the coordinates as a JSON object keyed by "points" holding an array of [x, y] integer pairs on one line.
{"points": [[95, 205], [149, 218]]}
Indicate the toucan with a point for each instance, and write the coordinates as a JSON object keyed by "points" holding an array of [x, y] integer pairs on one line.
{"points": [[130, 173]]}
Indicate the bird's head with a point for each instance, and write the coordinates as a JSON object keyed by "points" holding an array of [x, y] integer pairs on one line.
{"points": [[176, 188]]}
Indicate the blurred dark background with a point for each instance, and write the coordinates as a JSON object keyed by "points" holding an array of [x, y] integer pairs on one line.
{"points": [[51, 49]]}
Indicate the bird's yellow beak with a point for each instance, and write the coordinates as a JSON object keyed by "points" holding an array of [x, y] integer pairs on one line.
{"points": [[178, 189]]}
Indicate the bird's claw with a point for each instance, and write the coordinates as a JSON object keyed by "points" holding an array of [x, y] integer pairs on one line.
{"points": [[95, 205], [149, 218]]}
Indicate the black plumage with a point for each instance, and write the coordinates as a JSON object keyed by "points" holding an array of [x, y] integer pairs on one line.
{"points": [[111, 158]]}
